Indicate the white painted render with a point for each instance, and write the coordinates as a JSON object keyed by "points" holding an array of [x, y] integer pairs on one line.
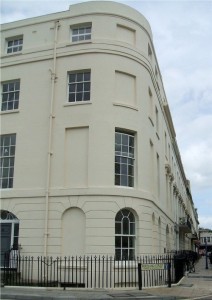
{"points": [[63, 192]]}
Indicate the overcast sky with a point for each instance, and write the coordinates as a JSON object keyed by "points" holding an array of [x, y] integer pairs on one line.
{"points": [[182, 36]]}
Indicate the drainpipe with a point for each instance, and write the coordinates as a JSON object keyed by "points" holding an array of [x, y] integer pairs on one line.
{"points": [[51, 117]]}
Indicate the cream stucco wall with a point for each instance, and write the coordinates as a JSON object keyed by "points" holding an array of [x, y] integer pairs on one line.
{"points": [[126, 93]]}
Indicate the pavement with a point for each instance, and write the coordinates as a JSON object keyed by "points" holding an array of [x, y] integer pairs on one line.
{"points": [[194, 286]]}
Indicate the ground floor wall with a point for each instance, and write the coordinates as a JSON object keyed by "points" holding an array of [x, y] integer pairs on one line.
{"points": [[85, 224]]}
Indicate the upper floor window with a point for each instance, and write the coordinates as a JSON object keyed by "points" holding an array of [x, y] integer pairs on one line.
{"points": [[7, 158], [81, 33], [10, 95], [14, 44], [79, 85], [124, 159]]}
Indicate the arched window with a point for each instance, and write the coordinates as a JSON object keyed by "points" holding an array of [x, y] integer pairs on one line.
{"points": [[125, 235], [9, 225]]}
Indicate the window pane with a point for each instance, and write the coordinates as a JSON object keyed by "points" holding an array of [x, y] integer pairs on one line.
{"points": [[72, 88], [118, 227], [72, 77], [87, 86], [79, 77], [88, 30], [87, 37], [117, 168], [87, 76], [75, 31], [125, 225], [86, 96], [125, 139], [125, 212], [118, 254], [74, 39], [131, 242], [118, 242], [79, 96], [132, 254], [117, 180], [79, 87], [131, 181], [71, 97], [118, 138], [124, 169], [119, 216], [125, 254], [124, 180], [125, 242], [131, 217], [81, 37]]}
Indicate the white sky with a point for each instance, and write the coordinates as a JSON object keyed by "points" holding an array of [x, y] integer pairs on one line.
{"points": [[182, 35]]}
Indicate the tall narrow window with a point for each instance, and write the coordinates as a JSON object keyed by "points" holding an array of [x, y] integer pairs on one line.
{"points": [[10, 95], [81, 33], [79, 84], [7, 158], [124, 159], [14, 44], [125, 235]]}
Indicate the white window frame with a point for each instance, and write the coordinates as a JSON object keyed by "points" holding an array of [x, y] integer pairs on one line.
{"points": [[10, 95], [81, 32], [125, 160], [7, 158], [122, 236], [79, 86], [14, 44]]}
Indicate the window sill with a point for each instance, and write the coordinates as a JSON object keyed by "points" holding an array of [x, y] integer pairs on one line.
{"points": [[77, 103], [11, 54], [6, 112], [124, 187], [125, 105], [79, 43]]}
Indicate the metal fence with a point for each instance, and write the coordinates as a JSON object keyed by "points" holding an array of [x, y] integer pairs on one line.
{"points": [[88, 271]]}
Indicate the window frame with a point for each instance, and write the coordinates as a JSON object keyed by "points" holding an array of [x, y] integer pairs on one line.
{"points": [[81, 36], [11, 104], [80, 93], [16, 46], [122, 237], [124, 161], [7, 161]]}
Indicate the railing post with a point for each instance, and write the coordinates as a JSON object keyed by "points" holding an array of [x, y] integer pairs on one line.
{"points": [[169, 274], [139, 276]]}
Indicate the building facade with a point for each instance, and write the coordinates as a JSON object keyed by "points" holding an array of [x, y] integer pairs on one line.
{"points": [[90, 162], [205, 240]]}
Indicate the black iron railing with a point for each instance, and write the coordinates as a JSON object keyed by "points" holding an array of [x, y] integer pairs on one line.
{"points": [[88, 271]]}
